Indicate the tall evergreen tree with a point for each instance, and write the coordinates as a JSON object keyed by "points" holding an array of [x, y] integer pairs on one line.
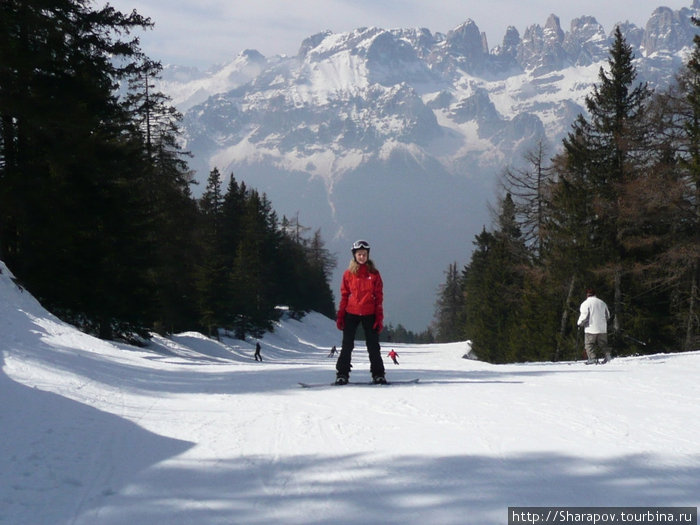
{"points": [[213, 269], [493, 285], [320, 263], [602, 153], [255, 291], [449, 308], [165, 198]]}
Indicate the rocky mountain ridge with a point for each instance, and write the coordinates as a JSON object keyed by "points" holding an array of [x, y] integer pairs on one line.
{"points": [[398, 135]]}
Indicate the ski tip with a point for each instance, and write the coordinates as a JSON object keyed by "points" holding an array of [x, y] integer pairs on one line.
{"points": [[404, 381]]}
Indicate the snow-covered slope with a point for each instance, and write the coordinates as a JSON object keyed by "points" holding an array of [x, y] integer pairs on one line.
{"points": [[190, 430]]}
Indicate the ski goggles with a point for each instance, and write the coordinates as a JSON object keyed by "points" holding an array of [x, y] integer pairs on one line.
{"points": [[360, 245]]}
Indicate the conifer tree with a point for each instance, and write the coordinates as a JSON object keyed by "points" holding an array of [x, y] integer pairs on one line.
{"points": [[603, 152], [449, 308], [213, 269], [253, 267], [320, 263], [484, 315], [165, 199], [493, 285]]}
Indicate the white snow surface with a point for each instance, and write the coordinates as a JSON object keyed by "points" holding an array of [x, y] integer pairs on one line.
{"points": [[192, 430]]}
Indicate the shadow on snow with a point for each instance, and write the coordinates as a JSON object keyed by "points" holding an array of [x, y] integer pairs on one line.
{"points": [[360, 489]]}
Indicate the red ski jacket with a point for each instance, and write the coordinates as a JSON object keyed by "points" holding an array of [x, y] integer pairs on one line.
{"points": [[362, 293]]}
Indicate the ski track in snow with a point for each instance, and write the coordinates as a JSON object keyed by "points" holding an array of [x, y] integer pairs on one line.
{"points": [[191, 430]]}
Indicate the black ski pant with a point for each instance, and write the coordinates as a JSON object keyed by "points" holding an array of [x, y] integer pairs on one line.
{"points": [[352, 321]]}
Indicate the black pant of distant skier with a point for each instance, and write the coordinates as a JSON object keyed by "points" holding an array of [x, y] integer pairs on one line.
{"points": [[258, 357]]}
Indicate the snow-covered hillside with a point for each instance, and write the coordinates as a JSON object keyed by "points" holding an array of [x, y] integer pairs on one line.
{"points": [[190, 430]]}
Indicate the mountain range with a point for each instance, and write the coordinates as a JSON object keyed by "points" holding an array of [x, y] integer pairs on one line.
{"points": [[397, 136]]}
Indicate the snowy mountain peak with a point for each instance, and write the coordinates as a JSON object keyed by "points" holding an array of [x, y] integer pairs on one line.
{"points": [[553, 29], [356, 115], [668, 31], [189, 87]]}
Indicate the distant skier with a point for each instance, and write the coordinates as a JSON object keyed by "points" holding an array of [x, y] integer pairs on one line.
{"points": [[594, 321], [361, 297], [258, 357], [393, 356], [333, 351]]}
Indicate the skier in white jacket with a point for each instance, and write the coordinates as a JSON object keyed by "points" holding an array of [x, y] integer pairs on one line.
{"points": [[594, 320]]}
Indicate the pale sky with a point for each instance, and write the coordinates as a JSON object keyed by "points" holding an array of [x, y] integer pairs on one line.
{"points": [[207, 32]]}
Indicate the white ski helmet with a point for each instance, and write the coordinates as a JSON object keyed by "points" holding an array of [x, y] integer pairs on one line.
{"points": [[359, 245]]}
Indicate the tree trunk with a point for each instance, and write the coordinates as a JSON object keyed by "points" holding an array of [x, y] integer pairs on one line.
{"points": [[565, 318], [618, 299], [691, 317]]}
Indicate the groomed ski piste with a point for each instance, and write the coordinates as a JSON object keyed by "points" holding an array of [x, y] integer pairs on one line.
{"points": [[193, 431]]}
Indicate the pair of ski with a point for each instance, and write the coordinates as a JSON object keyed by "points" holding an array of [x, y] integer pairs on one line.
{"points": [[359, 383]]}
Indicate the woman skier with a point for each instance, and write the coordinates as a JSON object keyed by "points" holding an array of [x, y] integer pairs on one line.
{"points": [[361, 297]]}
